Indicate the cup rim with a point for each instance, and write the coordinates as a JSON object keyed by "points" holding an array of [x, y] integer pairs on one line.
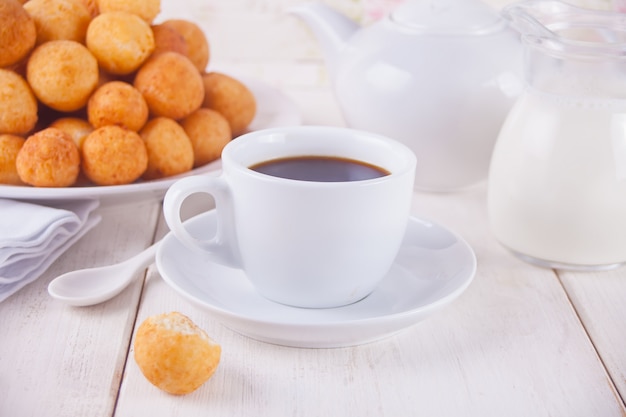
{"points": [[402, 166]]}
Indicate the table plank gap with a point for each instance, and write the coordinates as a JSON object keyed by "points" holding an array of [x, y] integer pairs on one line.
{"points": [[71, 358], [598, 298], [585, 327], [512, 332]]}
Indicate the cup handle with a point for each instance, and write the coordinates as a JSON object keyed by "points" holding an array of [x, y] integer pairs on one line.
{"points": [[222, 247]]}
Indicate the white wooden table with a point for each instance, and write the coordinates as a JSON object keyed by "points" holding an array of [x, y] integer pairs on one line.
{"points": [[521, 341]]}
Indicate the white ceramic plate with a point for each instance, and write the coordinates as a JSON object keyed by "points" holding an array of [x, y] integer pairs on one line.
{"points": [[433, 268], [274, 109]]}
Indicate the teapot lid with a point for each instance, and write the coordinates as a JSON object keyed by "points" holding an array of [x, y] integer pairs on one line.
{"points": [[448, 17]]}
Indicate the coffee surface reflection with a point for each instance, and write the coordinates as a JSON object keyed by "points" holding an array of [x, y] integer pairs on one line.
{"points": [[320, 169]]}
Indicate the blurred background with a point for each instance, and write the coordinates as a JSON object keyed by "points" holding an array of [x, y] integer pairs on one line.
{"points": [[250, 33], [259, 39]]}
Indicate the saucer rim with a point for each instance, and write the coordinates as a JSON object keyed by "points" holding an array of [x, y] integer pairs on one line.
{"points": [[411, 315]]}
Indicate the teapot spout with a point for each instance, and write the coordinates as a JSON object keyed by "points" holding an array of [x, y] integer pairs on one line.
{"points": [[330, 28]]}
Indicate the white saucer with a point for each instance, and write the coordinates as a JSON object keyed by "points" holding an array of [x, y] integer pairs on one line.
{"points": [[433, 268]]}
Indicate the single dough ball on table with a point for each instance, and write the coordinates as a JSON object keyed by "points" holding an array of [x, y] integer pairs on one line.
{"points": [[197, 43], [209, 132], [166, 38], [63, 74], [112, 155], [18, 105], [120, 41], [59, 19], [10, 146], [231, 98], [146, 9], [169, 148], [78, 129], [17, 33], [117, 103], [171, 85], [174, 354], [49, 158]]}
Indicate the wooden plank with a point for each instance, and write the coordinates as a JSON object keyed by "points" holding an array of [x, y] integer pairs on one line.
{"points": [[549, 358], [511, 345], [599, 300], [57, 360]]}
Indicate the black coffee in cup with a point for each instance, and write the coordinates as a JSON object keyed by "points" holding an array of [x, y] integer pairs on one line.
{"points": [[320, 169]]}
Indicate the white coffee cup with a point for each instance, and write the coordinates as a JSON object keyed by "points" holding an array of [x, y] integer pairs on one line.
{"points": [[304, 243]]}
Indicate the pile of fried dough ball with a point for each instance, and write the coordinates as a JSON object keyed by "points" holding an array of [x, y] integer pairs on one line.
{"points": [[93, 92]]}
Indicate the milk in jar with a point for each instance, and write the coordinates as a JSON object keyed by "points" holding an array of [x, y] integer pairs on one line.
{"points": [[557, 182]]}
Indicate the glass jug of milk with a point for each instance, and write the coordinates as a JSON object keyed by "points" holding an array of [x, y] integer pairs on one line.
{"points": [[557, 179]]}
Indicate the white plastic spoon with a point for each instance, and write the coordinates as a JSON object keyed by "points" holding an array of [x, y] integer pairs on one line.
{"points": [[86, 287]]}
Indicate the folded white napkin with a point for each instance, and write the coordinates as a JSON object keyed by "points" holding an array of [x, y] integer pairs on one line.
{"points": [[33, 236]]}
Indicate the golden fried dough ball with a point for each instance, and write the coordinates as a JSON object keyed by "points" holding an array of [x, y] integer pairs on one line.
{"points": [[166, 38], [171, 85], [117, 103], [92, 7], [174, 354], [146, 9], [112, 155], [18, 105], [169, 148], [209, 132], [17, 33], [197, 43], [78, 129], [10, 146], [63, 74], [121, 41], [59, 19], [231, 98], [49, 158]]}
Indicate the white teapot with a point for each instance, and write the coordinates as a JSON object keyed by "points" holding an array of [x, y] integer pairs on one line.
{"points": [[438, 75]]}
